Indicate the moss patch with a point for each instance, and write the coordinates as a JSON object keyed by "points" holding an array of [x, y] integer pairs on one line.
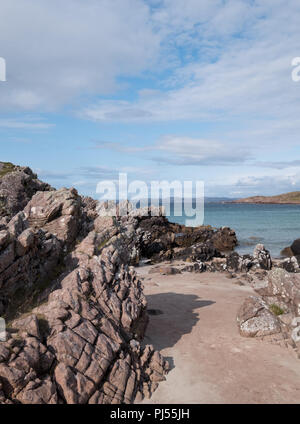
{"points": [[6, 168], [276, 309]]}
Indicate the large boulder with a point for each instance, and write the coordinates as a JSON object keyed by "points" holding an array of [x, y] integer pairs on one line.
{"points": [[293, 250], [254, 318], [296, 247]]}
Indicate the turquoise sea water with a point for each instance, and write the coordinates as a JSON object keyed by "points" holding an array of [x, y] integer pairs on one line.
{"points": [[276, 226]]}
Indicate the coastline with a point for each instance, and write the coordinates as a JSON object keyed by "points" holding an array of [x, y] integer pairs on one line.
{"points": [[263, 203]]}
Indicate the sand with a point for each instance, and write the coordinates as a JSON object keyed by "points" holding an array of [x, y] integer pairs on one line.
{"points": [[195, 329]]}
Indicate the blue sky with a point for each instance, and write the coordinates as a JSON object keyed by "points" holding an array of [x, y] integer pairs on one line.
{"points": [[160, 89]]}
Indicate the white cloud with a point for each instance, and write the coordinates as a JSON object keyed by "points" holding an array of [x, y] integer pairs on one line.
{"points": [[180, 150], [24, 124], [56, 50], [193, 151], [246, 84]]}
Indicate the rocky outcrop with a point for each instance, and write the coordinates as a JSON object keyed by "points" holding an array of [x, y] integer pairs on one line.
{"points": [[276, 309], [76, 310], [255, 319], [261, 259], [17, 186], [161, 240]]}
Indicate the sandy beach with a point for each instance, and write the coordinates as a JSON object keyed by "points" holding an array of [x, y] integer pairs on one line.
{"points": [[193, 324]]}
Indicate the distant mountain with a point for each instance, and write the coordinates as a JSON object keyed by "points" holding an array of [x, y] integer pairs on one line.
{"points": [[286, 198]]}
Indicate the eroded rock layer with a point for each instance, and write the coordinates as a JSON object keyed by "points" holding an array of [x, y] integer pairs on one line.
{"points": [[75, 310]]}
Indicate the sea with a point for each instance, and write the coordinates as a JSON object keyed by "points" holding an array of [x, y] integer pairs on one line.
{"points": [[276, 226]]}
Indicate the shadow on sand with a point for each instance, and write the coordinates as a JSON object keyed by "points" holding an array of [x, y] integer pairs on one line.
{"points": [[177, 317]]}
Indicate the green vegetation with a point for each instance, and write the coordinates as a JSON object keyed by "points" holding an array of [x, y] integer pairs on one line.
{"points": [[101, 245], [6, 168], [276, 309]]}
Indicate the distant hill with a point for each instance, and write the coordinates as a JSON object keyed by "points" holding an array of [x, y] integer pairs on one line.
{"points": [[286, 198]]}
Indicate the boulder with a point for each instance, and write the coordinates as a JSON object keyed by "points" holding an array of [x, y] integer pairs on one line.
{"points": [[254, 318], [224, 239], [262, 256], [237, 263], [293, 250], [290, 264], [295, 247]]}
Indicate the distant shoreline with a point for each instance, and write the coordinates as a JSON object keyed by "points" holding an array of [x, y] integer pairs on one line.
{"points": [[292, 198], [261, 203]]}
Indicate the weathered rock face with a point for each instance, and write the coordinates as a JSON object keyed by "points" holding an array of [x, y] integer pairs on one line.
{"points": [[275, 311], [281, 288], [57, 212], [85, 339], [33, 246], [76, 311], [17, 186], [255, 319]]}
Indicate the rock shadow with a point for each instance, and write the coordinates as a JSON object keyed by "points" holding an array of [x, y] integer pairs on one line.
{"points": [[178, 317]]}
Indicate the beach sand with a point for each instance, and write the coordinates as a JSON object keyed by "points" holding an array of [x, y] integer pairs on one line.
{"points": [[193, 324]]}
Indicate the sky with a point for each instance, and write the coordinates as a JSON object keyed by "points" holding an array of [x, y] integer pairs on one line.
{"points": [[158, 89]]}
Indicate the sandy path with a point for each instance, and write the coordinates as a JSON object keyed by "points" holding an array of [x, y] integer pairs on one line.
{"points": [[211, 362]]}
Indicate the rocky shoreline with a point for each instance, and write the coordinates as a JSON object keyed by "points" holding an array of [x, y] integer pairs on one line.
{"points": [[75, 309]]}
